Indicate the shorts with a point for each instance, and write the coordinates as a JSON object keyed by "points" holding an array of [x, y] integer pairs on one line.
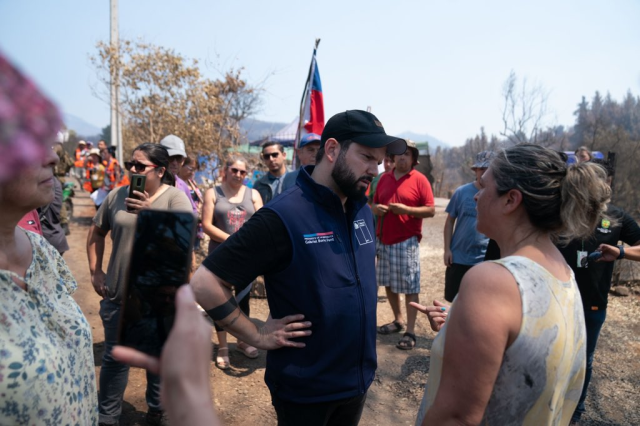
{"points": [[398, 266]]}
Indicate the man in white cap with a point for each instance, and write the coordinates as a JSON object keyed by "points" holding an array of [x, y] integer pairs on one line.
{"points": [[177, 154]]}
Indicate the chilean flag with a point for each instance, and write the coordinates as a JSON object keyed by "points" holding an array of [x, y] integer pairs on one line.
{"points": [[314, 104]]}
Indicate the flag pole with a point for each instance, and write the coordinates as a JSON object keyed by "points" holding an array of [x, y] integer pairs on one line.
{"points": [[305, 92]]}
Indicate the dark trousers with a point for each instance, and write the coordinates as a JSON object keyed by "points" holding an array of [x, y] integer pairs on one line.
{"points": [[594, 321], [452, 279], [343, 412], [115, 375]]}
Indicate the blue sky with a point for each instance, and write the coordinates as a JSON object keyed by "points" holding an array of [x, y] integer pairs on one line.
{"points": [[422, 66]]}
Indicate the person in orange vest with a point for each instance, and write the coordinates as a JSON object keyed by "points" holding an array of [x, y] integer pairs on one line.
{"points": [[113, 171], [95, 171], [80, 156]]}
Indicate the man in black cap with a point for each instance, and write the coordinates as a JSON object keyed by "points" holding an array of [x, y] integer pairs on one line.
{"points": [[315, 246]]}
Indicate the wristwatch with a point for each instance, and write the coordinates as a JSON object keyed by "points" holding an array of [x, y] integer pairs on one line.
{"points": [[621, 248]]}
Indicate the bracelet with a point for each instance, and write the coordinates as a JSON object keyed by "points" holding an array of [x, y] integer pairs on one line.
{"points": [[621, 248]]}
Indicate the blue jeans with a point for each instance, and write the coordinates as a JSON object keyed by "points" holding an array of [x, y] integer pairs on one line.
{"points": [[115, 375], [594, 321]]}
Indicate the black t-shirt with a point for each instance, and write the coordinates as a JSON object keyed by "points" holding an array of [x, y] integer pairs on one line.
{"points": [[594, 281], [260, 247]]}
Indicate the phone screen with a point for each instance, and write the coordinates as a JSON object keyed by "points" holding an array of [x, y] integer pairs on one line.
{"points": [[160, 263]]}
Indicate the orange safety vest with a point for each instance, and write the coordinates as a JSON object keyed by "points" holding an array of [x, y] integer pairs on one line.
{"points": [[111, 173], [79, 158]]}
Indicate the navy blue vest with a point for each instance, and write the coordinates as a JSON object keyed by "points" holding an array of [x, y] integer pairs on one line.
{"points": [[331, 280]]}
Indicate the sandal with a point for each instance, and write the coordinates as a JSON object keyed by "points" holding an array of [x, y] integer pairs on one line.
{"points": [[247, 350], [392, 327], [407, 342], [222, 361]]}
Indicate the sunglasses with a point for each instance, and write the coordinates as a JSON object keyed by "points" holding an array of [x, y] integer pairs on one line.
{"points": [[138, 166], [236, 171], [272, 155]]}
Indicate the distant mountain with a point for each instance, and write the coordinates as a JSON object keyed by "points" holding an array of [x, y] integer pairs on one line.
{"points": [[80, 126], [433, 141], [256, 129]]}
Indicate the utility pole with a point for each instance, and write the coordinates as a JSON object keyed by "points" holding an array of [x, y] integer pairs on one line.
{"points": [[116, 129]]}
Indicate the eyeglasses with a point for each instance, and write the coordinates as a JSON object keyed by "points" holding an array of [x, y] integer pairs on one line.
{"points": [[236, 171], [138, 166], [272, 155]]}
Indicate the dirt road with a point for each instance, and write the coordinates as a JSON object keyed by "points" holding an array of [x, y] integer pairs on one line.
{"points": [[242, 398]]}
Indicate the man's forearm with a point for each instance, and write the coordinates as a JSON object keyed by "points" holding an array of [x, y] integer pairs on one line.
{"points": [[422, 212], [448, 232], [215, 297]]}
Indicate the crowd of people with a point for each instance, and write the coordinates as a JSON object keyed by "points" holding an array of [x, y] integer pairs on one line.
{"points": [[324, 237]]}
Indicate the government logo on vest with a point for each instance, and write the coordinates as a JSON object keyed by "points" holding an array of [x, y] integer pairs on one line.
{"points": [[362, 232], [320, 237]]}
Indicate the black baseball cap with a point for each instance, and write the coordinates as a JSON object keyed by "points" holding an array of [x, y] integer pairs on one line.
{"points": [[364, 128]]}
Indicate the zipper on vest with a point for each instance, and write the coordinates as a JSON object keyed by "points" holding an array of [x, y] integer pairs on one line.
{"points": [[363, 313]]}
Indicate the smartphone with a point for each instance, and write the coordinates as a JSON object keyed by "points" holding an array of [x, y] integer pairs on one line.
{"points": [[137, 184], [160, 263]]}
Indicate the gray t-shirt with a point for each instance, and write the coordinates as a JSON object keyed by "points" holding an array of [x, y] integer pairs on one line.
{"points": [[113, 216]]}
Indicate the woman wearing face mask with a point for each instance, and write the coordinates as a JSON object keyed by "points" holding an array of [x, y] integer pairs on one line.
{"points": [[118, 215], [226, 208]]}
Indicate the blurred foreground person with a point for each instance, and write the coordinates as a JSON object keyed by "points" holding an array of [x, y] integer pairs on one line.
{"points": [[46, 350], [183, 365], [118, 215], [525, 364]]}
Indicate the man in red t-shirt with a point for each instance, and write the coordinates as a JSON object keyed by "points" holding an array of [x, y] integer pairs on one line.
{"points": [[402, 199]]}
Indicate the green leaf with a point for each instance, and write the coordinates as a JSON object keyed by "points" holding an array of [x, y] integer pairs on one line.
{"points": [[15, 366]]}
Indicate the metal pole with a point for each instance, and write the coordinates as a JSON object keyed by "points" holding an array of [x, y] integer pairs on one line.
{"points": [[116, 131]]}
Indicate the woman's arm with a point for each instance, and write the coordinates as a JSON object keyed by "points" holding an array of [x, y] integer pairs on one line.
{"points": [[486, 320], [256, 198], [208, 209], [95, 252]]}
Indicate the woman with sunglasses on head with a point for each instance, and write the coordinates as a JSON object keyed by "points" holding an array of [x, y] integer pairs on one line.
{"points": [[118, 215], [226, 208], [511, 348]]}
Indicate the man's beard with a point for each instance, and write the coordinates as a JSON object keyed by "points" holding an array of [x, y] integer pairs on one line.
{"points": [[346, 179]]}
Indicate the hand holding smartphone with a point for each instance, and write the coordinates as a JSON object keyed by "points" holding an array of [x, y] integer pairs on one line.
{"points": [[138, 183], [160, 263]]}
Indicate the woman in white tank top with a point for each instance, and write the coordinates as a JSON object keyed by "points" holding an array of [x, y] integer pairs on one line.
{"points": [[511, 348]]}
